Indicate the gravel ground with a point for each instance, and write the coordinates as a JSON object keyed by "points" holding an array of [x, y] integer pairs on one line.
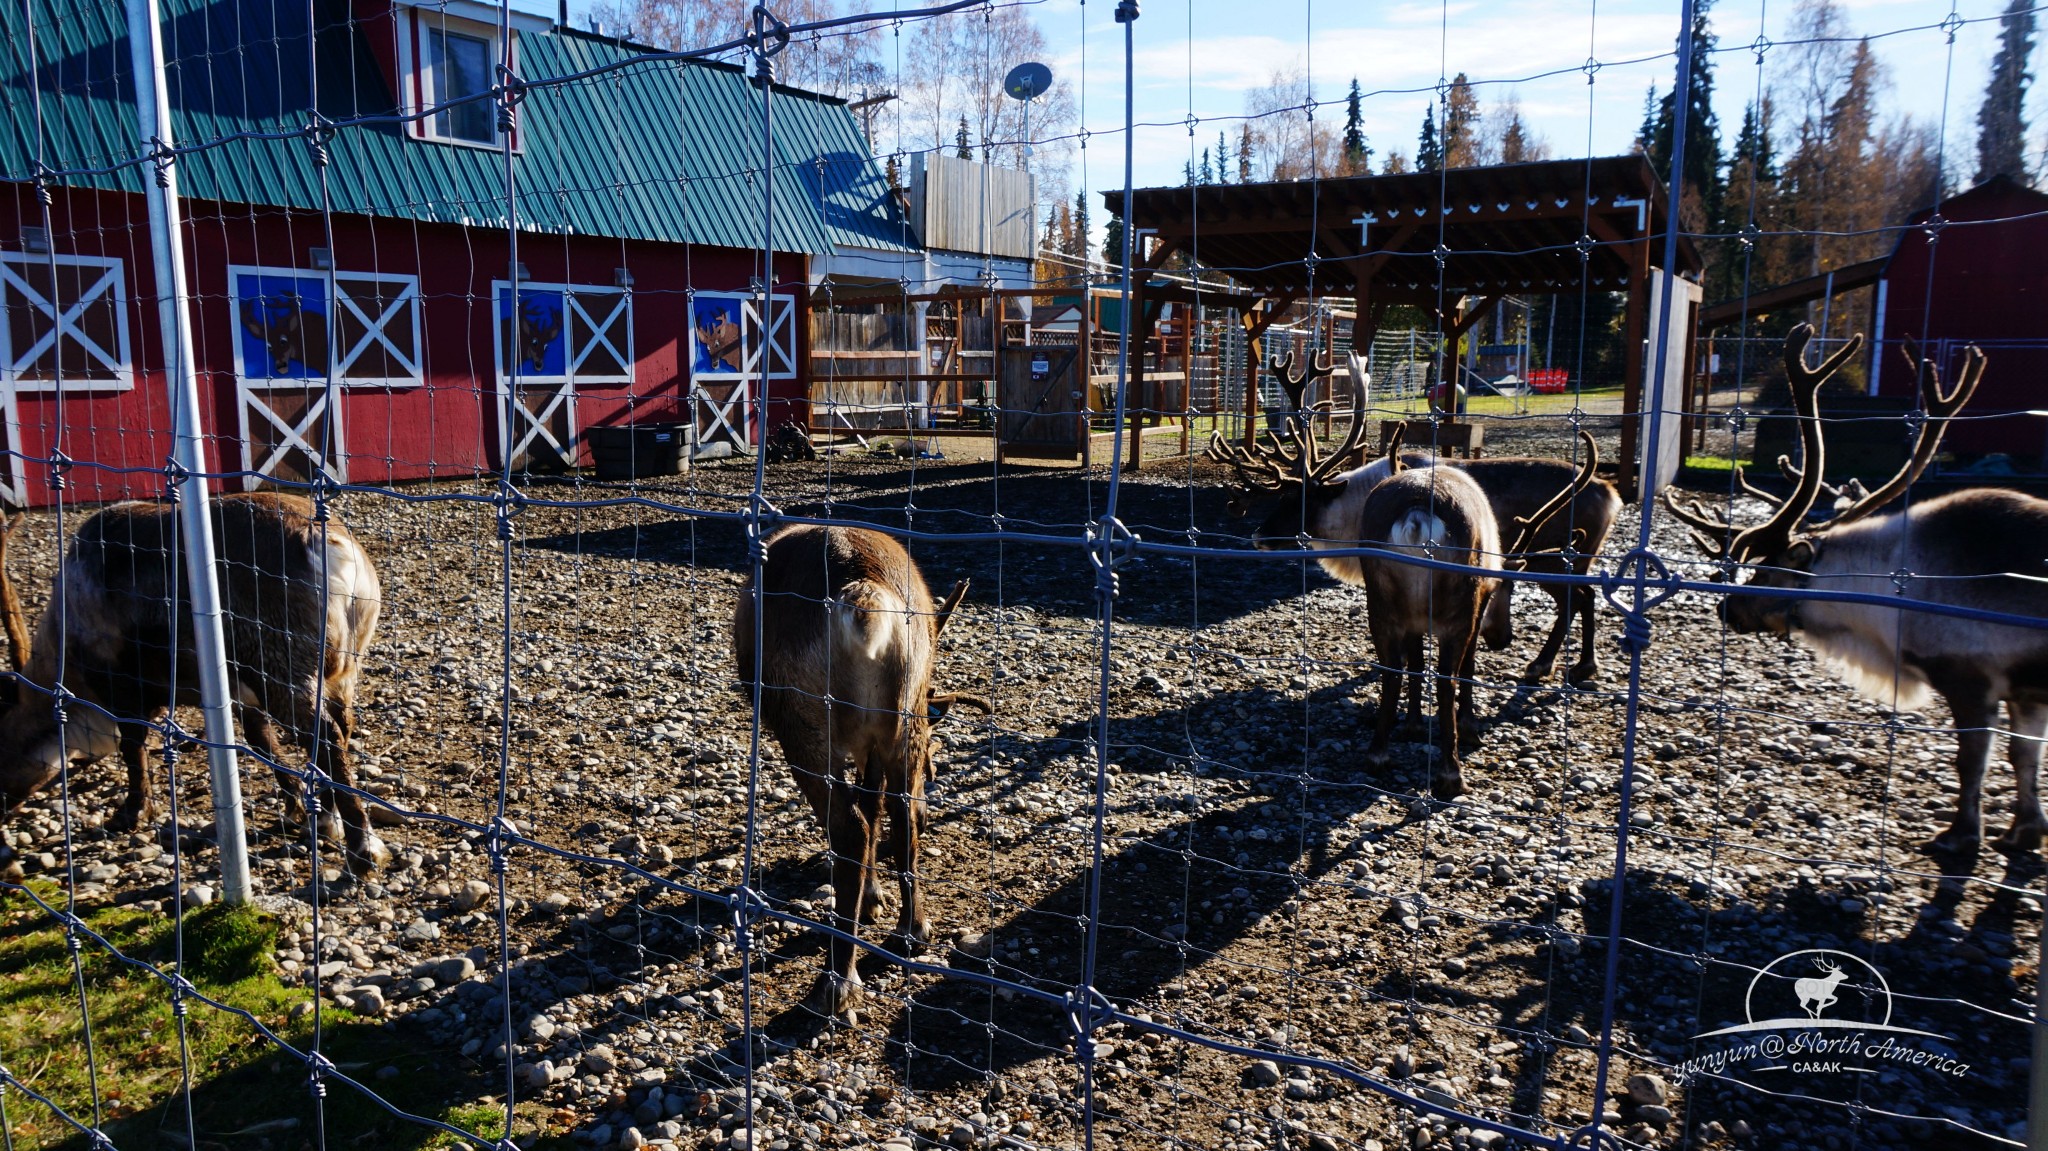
{"points": [[1260, 885]]}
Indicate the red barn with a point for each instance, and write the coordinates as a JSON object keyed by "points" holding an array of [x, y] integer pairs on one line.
{"points": [[390, 269], [1975, 271]]}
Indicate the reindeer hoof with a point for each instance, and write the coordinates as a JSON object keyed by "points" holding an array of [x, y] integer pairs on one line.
{"points": [[835, 996], [913, 938], [1954, 842], [1448, 784], [871, 903], [1583, 674], [131, 816], [1538, 672], [372, 856], [2022, 838]]}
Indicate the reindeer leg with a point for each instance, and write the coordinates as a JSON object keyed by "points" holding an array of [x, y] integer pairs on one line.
{"points": [[1417, 661], [1974, 712], [851, 829], [1545, 663], [1391, 654], [325, 738], [2029, 731], [1587, 669], [139, 809], [906, 822], [1454, 654], [1468, 675], [261, 735]]}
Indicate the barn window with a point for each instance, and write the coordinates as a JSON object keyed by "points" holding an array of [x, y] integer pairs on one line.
{"points": [[287, 334], [65, 323], [580, 333], [448, 57], [459, 66], [553, 339]]}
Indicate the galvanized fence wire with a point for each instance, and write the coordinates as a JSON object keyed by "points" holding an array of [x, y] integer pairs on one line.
{"points": [[1634, 585]]}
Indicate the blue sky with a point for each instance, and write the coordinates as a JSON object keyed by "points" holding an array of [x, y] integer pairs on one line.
{"points": [[1199, 56]]}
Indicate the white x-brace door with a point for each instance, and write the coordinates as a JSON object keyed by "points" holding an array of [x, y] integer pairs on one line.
{"points": [[597, 346], [312, 432], [62, 331]]}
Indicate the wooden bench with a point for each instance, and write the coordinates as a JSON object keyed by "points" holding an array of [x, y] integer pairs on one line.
{"points": [[1468, 440]]}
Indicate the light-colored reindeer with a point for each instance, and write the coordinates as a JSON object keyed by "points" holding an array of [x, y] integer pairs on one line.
{"points": [[1817, 993]]}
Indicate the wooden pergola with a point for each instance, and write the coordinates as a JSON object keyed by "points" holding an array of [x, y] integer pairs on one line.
{"points": [[1452, 243]]}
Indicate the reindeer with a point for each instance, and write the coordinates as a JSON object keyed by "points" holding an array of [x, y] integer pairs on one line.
{"points": [[1984, 548], [301, 602], [538, 328], [1318, 501], [1818, 994], [280, 322], [848, 639], [1440, 513]]}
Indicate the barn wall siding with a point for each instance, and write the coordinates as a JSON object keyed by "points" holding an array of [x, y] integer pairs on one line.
{"points": [[445, 428], [1983, 283]]}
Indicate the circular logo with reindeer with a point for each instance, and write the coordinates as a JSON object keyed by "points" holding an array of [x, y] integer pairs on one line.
{"points": [[1829, 989], [1820, 1011]]}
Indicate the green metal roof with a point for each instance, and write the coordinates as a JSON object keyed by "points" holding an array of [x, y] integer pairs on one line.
{"points": [[659, 150]]}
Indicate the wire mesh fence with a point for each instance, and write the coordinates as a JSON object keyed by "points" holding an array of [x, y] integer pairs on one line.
{"points": [[690, 712]]}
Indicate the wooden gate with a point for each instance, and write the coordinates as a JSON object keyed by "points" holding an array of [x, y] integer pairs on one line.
{"points": [[1040, 400]]}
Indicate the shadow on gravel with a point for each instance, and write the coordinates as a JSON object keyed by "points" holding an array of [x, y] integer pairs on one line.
{"points": [[1056, 579]]}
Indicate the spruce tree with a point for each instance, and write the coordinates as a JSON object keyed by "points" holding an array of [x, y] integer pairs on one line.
{"points": [[1646, 133], [1357, 157], [1113, 242], [1458, 139], [1222, 159], [1082, 228], [1702, 173], [961, 147], [2001, 119], [1244, 153], [1427, 156]]}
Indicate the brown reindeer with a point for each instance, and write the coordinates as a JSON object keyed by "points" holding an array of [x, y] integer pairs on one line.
{"points": [[1984, 548], [1319, 501], [1440, 513], [301, 602], [280, 322], [849, 635]]}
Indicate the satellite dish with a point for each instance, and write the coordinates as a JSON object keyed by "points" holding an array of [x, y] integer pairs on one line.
{"points": [[1028, 81]]}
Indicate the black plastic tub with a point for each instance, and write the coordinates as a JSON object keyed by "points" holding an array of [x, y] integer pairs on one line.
{"points": [[637, 451]]}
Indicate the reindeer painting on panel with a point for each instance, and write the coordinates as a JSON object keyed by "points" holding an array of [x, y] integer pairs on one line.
{"points": [[1981, 548]]}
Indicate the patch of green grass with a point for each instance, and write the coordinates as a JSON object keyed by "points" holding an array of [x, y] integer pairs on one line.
{"points": [[245, 1092], [1714, 463]]}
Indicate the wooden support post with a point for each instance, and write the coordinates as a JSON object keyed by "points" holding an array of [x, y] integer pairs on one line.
{"points": [[1084, 373], [1634, 326]]}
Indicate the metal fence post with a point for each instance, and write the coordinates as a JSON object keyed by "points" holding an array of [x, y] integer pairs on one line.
{"points": [[181, 382]]}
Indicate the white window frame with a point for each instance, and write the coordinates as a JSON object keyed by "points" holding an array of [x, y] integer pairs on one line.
{"points": [[780, 346], [113, 283], [376, 329], [513, 443], [573, 358], [416, 85]]}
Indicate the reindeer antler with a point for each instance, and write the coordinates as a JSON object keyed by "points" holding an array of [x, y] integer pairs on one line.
{"points": [[1296, 385], [1527, 527], [945, 611], [1775, 533], [1937, 408], [1261, 471]]}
